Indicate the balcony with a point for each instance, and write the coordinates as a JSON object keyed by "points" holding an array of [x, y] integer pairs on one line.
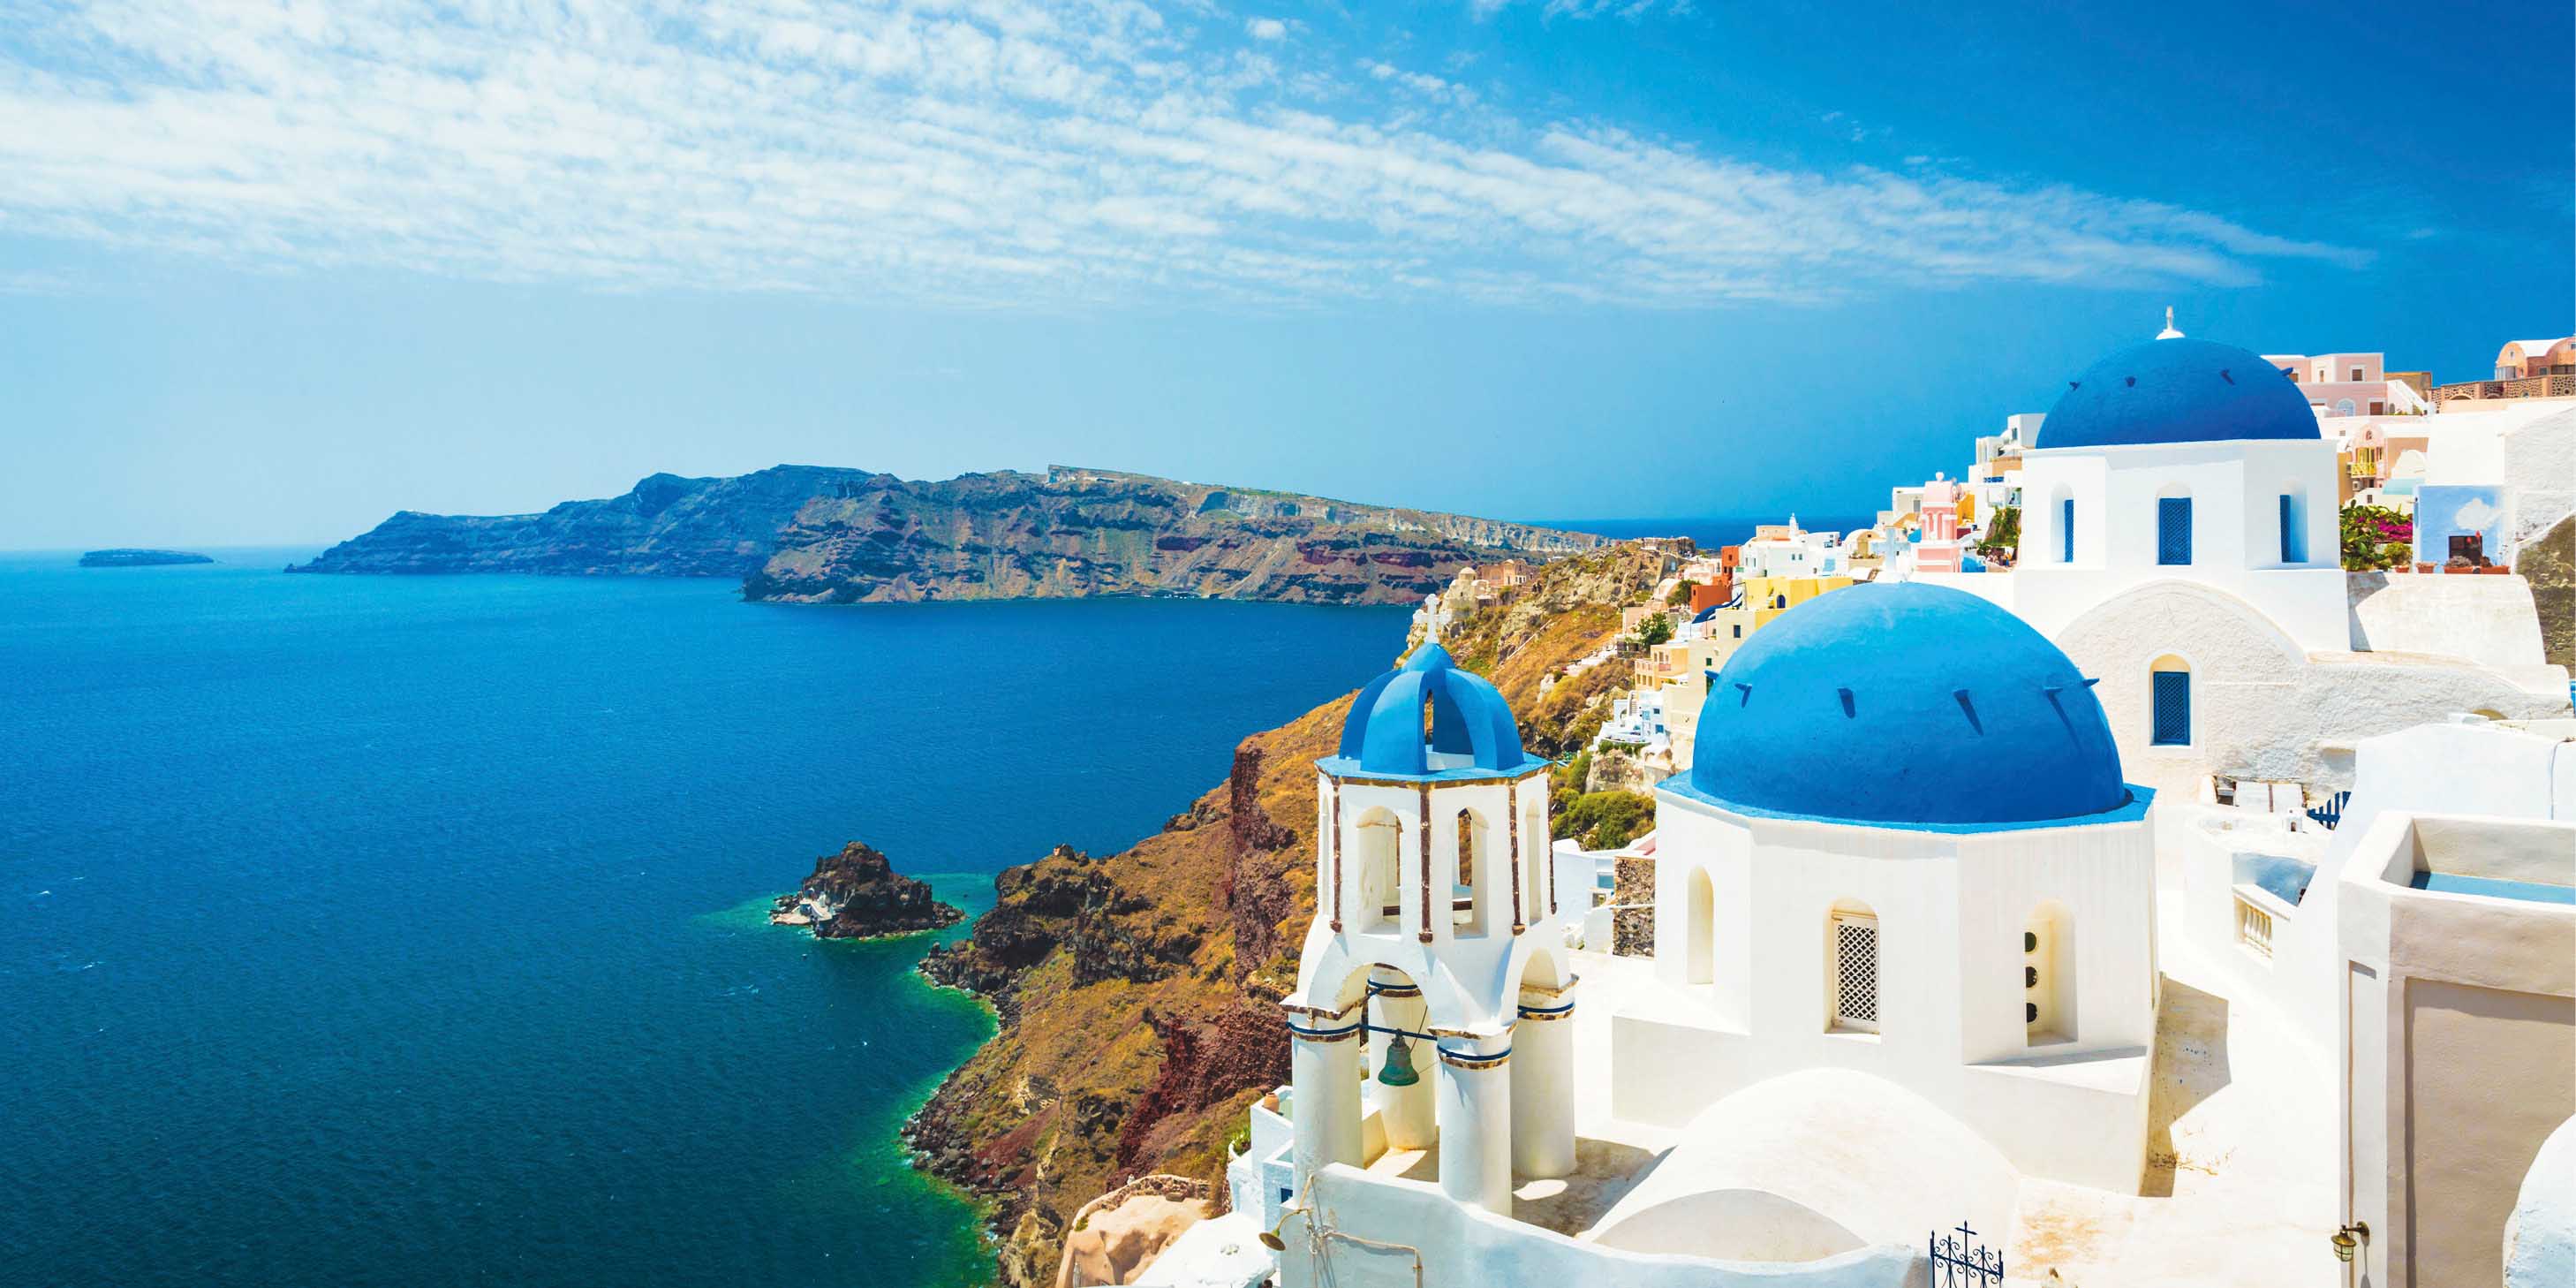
{"points": [[2552, 386]]}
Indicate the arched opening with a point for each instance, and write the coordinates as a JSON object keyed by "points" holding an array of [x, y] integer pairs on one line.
{"points": [[1469, 866], [2294, 524], [1699, 928], [2169, 702], [1398, 1062], [2345, 407], [1377, 852], [2048, 975], [1851, 968], [1542, 1077], [2173, 528]]}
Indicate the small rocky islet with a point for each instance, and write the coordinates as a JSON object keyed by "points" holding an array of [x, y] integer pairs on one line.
{"points": [[857, 894], [135, 557]]}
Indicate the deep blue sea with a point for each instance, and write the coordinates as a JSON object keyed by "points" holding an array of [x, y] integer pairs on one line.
{"points": [[373, 930]]}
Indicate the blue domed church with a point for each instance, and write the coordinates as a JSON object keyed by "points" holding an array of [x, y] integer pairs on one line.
{"points": [[1906, 849]]}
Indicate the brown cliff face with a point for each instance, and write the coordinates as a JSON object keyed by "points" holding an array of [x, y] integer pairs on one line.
{"points": [[1078, 532], [1138, 992], [857, 894], [814, 534]]}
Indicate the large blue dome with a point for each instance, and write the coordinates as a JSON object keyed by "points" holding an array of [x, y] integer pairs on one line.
{"points": [[1469, 728], [1905, 704], [2177, 391]]}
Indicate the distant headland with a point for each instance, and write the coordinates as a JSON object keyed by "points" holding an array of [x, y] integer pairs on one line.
{"points": [[132, 558], [818, 534]]}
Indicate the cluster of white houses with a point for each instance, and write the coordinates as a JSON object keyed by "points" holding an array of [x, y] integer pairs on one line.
{"points": [[2173, 908]]}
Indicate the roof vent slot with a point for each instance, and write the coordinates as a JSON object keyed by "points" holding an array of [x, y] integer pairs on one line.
{"points": [[2130, 381], [2223, 375], [1847, 700], [1968, 709]]}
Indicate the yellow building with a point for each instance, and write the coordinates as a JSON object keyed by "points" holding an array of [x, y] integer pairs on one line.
{"points": [[1681, 667]]}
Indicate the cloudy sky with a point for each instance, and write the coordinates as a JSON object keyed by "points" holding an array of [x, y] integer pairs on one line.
{"points": [[271, 271]]}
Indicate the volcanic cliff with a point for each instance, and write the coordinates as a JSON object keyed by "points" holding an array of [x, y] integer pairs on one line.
{"points": [[810, 534], [1137, 991]]}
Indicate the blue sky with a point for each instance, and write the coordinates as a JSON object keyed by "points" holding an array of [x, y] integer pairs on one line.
{"points": [[270, 272]]}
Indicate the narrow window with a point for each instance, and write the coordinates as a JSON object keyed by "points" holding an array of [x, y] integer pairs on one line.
{"points": [[2294, 546], [2066, 530], [2172, 709], [2173, 530], [1855, 982]]}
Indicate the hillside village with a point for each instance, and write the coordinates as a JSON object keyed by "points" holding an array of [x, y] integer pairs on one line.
{"points": [[2140, 859]]}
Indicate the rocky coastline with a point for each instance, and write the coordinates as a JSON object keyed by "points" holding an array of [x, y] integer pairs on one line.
{"points": [[1136, 993], [857, 894], [814, 534]]}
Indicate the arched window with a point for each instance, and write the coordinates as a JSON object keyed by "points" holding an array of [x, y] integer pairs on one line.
{"points": [[1699, 945], [1851, 968], [2169, 702], [2048, 975], [2065, 529], [2344, 407], [1376, 852], [1466, 893], [2173, 529]]}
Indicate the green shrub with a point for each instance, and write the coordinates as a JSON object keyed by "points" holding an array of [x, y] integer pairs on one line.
{"points": [[1603, 820]]}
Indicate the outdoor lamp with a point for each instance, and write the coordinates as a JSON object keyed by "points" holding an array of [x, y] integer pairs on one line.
{"points": [[2349, 1238]]}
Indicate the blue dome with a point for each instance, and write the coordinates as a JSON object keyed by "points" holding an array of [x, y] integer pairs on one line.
{"points": [[1386, 734], [2177, 391], [1905, 704]]}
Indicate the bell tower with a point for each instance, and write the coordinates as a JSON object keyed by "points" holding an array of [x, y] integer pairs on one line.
{"points": [[1436, 964]]}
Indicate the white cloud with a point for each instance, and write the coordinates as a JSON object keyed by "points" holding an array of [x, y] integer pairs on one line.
{"points": [[978, 152], [2475, 515], [1267, 29]]}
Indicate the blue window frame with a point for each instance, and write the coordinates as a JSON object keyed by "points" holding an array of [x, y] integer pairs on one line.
{"points": [[2294, 545], [2066, 530], [2173, 530], [2172, 709]]}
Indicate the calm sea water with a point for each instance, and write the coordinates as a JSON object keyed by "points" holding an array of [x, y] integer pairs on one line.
{"points": [[361, 930]]}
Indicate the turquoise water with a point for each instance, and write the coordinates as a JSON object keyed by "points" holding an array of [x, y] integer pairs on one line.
{"points": [[2493, 887], [410, 930]]}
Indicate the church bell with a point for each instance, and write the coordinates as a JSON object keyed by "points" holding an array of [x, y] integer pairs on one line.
{"points": [[1399, 1065]]}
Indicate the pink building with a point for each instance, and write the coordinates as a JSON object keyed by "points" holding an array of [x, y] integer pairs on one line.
{"points": [[1939, 551]]}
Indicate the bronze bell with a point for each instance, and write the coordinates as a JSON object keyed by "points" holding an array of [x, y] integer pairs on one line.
{"points": [[1399, 1065]]}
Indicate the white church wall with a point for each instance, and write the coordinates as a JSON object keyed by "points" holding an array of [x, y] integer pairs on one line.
{"points": [[2488, 620], [2259, 707], [1422, 1238], [2071, 1119], [1791, 1138]]}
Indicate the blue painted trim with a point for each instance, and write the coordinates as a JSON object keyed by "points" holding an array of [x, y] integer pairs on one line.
{"points": [[1350, 767], [1343, 1031], [2132, 810], [1547, 1010]]}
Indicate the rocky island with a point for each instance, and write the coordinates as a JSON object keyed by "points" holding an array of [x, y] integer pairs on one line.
{"points": [[123, 557], [857, 894], [813, 534]]}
